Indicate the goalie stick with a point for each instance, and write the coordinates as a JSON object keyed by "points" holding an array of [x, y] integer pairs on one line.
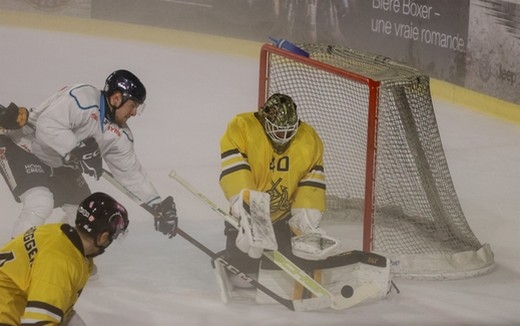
{"points": [[337, 302], [294, 305]]}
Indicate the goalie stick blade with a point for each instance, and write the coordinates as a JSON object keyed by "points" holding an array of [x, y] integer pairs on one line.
{"points": [[312, 304]]}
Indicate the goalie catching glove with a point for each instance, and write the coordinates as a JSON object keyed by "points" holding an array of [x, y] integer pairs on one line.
{"points": [[86, 157], [255, 232], [310, 242], [165, 217]]}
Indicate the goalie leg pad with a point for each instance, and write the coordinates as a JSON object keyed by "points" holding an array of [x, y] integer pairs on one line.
{"points": [[232, 283], [224, 285], [365, 279], [358, 276]]}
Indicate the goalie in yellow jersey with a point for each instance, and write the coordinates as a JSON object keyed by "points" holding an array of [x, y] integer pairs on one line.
{"points": [[44, 270], [273, 152]]}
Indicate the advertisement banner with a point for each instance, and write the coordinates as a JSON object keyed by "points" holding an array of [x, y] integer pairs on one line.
{"points": [[469, 43], [426, 34], [493, 67], [431, 35], [78, 8]]}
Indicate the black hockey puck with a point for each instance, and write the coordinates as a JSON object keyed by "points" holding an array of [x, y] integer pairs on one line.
{"points": [[347, 291]]}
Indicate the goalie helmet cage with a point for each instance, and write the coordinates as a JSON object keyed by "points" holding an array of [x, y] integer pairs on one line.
{"points": [[383, 156]]}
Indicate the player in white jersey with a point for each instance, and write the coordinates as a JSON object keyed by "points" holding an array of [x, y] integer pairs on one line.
{"points": [[74, 131]]}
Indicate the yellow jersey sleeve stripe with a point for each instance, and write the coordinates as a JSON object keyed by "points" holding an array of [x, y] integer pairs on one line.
{"points": [[234, 168], [230, 153], [34, 309], [315, 184], [232, 161], [315, 178]]}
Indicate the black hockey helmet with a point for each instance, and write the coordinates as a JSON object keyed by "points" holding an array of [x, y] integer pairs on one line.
{"points": [[127, 83], [100, 213], [280, 120]]}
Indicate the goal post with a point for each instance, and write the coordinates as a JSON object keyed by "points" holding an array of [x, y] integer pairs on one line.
{"points": [[388, 181]]}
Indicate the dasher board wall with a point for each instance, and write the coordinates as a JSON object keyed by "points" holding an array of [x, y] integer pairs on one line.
{"points": [[467, 45]]}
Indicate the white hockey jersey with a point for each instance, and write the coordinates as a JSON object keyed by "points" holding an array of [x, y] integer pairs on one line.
{"points": [[73, 114]]}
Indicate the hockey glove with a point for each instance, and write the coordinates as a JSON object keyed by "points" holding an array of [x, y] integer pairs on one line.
{"points": [[13, 117], [166, 217], [243, 240], [310, 241], [87, 157], [255, 233], [244, 244]]}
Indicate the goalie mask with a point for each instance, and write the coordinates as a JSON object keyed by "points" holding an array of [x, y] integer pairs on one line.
{"points": [[100, 213], [280, 120]]}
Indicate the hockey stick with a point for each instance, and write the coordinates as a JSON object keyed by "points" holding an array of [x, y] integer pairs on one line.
{"points": [[338, 302], [294, 305]]}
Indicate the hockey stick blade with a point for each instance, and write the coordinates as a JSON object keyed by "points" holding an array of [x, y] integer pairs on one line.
{"points": [[338, 302], [294, 305]]}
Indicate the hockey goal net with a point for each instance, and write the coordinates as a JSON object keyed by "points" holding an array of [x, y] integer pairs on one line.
{"points": [[388, 182]]}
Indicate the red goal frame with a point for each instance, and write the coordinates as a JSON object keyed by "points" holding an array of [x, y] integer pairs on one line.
{"points": [[373, 102]]}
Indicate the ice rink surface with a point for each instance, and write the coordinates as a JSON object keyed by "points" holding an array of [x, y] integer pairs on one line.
{"points": [[150, 280]]}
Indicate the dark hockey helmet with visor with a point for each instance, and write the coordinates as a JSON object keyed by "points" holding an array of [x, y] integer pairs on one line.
{"points": [[280, 120], [100, 213], [129, 85]]}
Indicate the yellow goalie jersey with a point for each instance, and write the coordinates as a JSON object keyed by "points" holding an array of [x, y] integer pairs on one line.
{"points": [[42, 273], [294, 178]]}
